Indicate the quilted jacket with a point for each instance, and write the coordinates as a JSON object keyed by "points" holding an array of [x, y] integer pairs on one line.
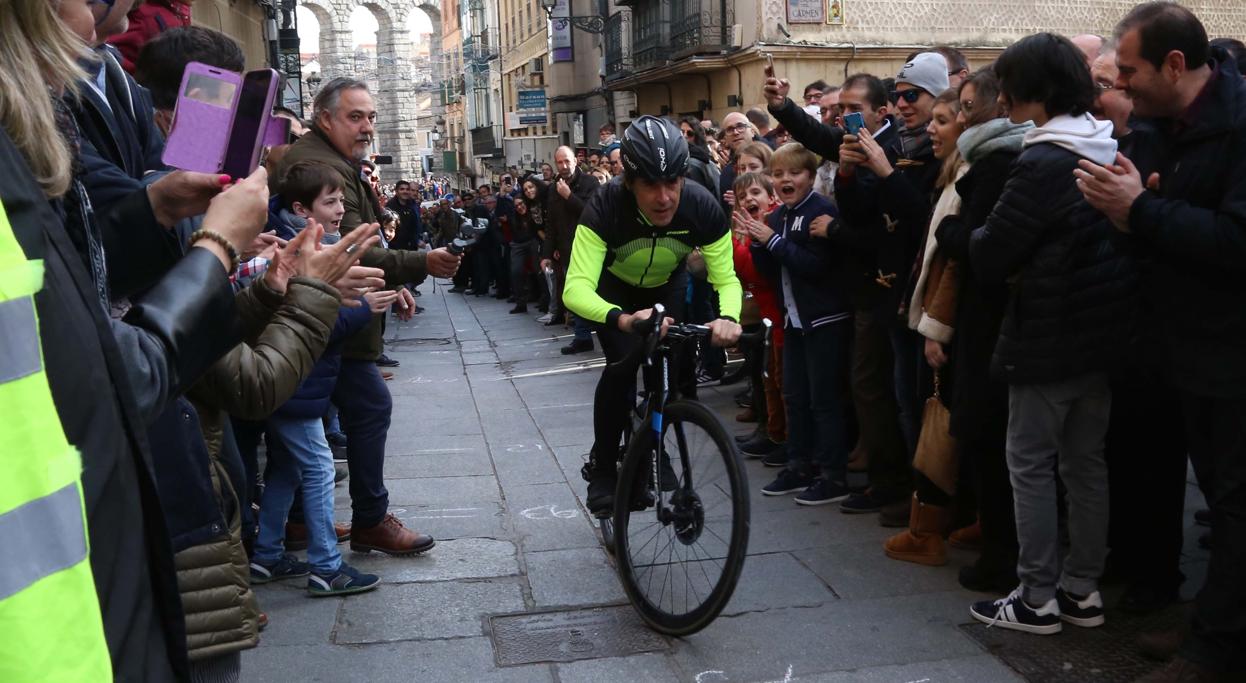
{"points": [[286, 334], [1074, 285]]}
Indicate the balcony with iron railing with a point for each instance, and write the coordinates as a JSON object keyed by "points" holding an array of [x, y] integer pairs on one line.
{"points": [[700, 26], [650, 33], [618, 45]]}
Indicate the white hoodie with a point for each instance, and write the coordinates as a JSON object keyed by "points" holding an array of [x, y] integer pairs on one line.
{"points": [[1082, 135]]}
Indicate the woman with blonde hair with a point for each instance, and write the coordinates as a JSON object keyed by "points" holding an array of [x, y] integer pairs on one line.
{"points": [[170, 335]]}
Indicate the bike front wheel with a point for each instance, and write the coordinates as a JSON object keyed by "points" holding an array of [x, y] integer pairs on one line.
{"points": [[681, 526]]}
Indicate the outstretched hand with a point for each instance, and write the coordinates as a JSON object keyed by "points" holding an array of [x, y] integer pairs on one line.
{"points": [[775, 90], [306, 256]]}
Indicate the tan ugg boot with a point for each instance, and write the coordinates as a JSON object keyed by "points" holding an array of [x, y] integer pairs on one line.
{"points": [[922, 542]]}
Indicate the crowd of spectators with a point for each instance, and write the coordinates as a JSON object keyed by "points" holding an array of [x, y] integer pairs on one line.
{"points": [[1009, 295]]}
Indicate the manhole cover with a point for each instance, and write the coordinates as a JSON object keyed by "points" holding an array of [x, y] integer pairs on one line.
{"points": [[569, 635], [1078, 655]]}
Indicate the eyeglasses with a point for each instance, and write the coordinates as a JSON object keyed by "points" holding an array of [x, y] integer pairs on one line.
{"points": [[737, 127], [910, 96]]}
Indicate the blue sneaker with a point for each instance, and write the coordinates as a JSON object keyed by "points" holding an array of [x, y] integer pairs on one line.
{"points": [[787, 482], [345, 581], [823, 492], [1015, 614], [288, 567]]}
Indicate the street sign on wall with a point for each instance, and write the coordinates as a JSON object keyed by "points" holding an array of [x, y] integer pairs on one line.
{"points": [[531, 107]]}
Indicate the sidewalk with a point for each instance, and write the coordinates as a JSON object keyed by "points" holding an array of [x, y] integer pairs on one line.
{"points": [[491, 425]]}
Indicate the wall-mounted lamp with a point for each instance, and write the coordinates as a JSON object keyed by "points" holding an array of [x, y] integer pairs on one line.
{"points": [[589, 24]]}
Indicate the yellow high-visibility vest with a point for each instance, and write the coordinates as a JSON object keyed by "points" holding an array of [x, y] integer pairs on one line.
{"points": [[50, 624]]}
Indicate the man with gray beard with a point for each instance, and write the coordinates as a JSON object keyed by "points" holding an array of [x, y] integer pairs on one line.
{"points": [[341, 136]]}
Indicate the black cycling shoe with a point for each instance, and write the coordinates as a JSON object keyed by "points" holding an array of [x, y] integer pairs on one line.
{"points": [[600, 499]]}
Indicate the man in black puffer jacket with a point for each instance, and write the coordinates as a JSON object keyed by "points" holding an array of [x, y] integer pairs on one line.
{"points": [[1192, 222], [1070, 312]]}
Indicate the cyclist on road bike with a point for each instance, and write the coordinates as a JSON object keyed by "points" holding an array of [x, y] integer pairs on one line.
{"points": [[629, 253]]}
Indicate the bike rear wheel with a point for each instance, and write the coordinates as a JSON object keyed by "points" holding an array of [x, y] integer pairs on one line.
{"points": [[679, 567]]}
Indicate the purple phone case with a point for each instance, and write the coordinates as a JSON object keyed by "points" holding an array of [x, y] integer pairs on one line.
{"points": [[200, 130], [277, 132], [270, 100]]}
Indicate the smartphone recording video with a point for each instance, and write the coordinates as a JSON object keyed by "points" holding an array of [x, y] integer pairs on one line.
{"points": [[255, 105], [853, 122]]}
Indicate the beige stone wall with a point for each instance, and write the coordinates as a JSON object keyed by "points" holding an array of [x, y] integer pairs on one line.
{"points": [[242, 21], [876, 37], [968, 22]]}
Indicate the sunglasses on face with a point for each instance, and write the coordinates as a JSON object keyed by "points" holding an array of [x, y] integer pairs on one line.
{"points": [[910, 96]]}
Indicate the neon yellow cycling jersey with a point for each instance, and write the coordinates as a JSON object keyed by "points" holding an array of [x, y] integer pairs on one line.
{"points": [[614, 234]]}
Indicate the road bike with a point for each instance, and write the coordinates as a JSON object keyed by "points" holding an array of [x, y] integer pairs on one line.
{"points": [[680, 525]]}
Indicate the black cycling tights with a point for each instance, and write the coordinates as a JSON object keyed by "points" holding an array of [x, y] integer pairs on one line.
{"points": [[616, 390]]}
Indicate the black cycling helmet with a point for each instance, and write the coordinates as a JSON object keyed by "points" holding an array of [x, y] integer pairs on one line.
{"points": [[654, 148]]}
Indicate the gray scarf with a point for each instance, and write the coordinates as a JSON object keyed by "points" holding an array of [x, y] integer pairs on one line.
{"points": [[993, 136]]}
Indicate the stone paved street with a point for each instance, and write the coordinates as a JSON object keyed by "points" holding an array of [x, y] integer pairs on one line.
{"points": [[491, 425]]}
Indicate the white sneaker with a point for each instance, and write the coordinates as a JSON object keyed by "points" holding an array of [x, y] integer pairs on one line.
{"points": [[545, 318], [1013, 613]]}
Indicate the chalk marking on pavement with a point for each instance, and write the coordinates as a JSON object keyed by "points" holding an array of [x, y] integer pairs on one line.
{"points": [[920, 680], [401, 511], [701, 677], [523, 447], [549, 512], [591, 365]]}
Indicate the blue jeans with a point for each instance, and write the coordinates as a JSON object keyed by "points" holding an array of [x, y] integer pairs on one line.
{"points": [[815, 383], [303, 458], [581, 327]]}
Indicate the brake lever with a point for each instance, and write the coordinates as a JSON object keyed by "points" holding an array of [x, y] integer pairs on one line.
{"points": [[655, 332]]}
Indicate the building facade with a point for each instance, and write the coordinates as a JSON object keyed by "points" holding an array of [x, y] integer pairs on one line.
{"points": [[706, 57], [500, 84]]}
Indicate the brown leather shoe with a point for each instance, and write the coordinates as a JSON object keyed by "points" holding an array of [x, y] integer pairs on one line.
{"points": [[1182, 670], [296, 535], [390, 537], [387, 375]]}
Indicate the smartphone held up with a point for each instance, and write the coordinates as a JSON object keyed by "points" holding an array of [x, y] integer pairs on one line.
{"points": [[222, 120], [853, 122]]}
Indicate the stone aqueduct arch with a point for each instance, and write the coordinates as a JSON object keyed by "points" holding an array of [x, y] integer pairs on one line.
{"points": [[396, 98]]}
